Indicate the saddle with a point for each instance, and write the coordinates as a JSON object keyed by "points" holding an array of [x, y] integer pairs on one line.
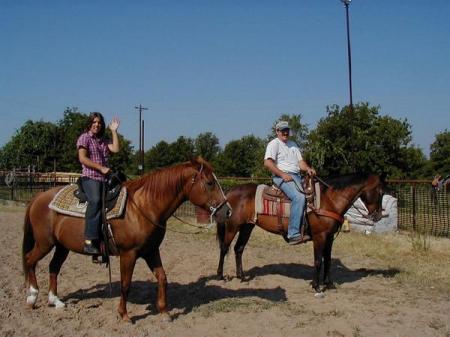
{"points": [[112, 190], [270, 200], [71, 200], [113, 186]]}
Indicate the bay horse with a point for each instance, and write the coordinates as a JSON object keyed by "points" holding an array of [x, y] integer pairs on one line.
{"points": [[336, 198], [152, 199]]}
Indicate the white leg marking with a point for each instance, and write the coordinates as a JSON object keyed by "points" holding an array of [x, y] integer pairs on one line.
{"points": [[319, 295], [32, 297], [53, 300]]}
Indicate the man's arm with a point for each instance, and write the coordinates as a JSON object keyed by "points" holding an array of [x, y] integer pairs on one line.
{"points": [[270, 164], [306, 168]]}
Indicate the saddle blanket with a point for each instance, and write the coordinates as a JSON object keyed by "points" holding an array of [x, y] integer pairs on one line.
{"points": [[279, 207], [66, 203]]}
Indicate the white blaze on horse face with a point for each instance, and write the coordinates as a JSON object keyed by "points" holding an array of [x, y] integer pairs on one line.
{"points": [[32, 297], [53, 300]]}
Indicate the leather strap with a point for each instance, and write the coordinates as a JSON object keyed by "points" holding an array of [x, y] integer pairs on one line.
{"points": [[329, 214], [280, 218]]}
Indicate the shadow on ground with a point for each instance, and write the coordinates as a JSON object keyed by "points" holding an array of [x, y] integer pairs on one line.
{"points": [[339, 272], [182, 297]]}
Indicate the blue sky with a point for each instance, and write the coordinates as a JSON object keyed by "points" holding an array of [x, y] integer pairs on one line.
{"points": [[229, 67]]}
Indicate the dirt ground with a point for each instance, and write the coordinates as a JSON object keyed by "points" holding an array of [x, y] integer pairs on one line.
{"points": [[276, 301]]}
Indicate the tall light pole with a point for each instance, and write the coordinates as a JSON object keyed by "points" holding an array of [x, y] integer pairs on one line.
{"points": [[346, 4], [141, 140]]}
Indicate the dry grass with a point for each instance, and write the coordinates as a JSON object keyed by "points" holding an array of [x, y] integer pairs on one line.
{"points": [[422, 261]]}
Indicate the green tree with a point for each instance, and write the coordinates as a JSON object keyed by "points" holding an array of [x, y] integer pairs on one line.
{"points": [[182, 149], [440, 153], [123, 160], [33, 145], [70, 127], [360, 140], [158, 156], [207, 145], [241, 158], [47, 146]]}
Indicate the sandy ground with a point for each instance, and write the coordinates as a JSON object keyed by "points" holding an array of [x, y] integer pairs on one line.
{"points": [[276, 301]]}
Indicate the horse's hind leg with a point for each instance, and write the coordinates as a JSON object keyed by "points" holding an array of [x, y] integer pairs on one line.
{"points": [[58, 259], [31, 260], [155, 264], [244, 235]]}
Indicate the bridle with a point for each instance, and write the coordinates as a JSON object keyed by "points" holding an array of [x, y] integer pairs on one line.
{"points": [[212, 208], [340, 218]]}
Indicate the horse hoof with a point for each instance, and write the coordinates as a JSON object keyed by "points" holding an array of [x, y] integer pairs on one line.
{"points": [[165, 318], [54, 301], [245, 279], [32, 298], [329, 286], [126, 319], [31, 302], [319, 294]]}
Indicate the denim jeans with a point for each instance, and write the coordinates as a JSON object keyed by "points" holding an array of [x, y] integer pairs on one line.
{"points": [[298, 202], [93, 190]]}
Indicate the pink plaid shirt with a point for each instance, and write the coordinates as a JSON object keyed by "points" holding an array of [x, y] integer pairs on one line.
{"points": [[98, 152]]}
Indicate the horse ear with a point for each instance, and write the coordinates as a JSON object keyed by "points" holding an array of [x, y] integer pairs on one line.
{"points": [[197, 162]]}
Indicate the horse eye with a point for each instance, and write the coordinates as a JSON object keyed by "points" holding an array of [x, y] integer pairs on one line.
{"points": [[210, 183]]}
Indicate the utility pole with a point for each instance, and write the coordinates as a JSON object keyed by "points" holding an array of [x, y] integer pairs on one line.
{"points": [[349, 53], [141, 140]]}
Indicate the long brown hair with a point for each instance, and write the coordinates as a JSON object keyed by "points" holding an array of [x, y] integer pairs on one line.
{"points": [[91, 118]]}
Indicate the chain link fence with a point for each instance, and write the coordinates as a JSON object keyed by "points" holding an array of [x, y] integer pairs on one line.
{"points": [[420, 207]]}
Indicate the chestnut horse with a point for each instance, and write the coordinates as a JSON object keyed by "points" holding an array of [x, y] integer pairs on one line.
{"points": [[336, 198], [152, 199]]}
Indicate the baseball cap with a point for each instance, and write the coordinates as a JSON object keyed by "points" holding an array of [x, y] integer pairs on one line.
{"points": [[281, 125]]}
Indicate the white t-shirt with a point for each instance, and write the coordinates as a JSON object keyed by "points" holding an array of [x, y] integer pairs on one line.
{"points": [[285, 155]]}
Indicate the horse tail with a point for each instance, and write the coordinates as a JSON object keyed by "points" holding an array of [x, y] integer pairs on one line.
{"points": [[28, 239]]}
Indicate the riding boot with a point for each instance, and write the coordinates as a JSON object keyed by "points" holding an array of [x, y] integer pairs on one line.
{"points": [[90, 248]]}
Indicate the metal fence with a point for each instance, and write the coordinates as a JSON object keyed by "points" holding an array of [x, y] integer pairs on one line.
{"points": [[420, 208], [23, 185]]}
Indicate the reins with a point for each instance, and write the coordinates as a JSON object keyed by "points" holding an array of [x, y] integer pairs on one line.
{"points": [[212, 209], [165, 227]]}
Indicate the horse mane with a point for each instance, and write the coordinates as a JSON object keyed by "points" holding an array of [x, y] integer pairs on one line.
{"points": [[344, 181], [161, 181]]}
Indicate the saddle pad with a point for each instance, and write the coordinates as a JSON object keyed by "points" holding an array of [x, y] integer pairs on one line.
{"points": [[280, 207], [66, 203], [270, 207]]}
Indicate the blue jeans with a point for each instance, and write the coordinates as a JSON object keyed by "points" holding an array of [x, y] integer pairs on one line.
{"points": [[298, 202], [93, 190]]}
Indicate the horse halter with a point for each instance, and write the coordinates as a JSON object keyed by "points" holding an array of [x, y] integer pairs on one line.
{"points": [[212, 208]]}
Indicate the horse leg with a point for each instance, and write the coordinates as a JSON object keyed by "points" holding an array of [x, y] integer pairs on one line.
{"points": [[319, 244], [328, 283], [30, 261], [127, 263], [57, 261], [244, 235], [225, 235], [155, 264]]}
